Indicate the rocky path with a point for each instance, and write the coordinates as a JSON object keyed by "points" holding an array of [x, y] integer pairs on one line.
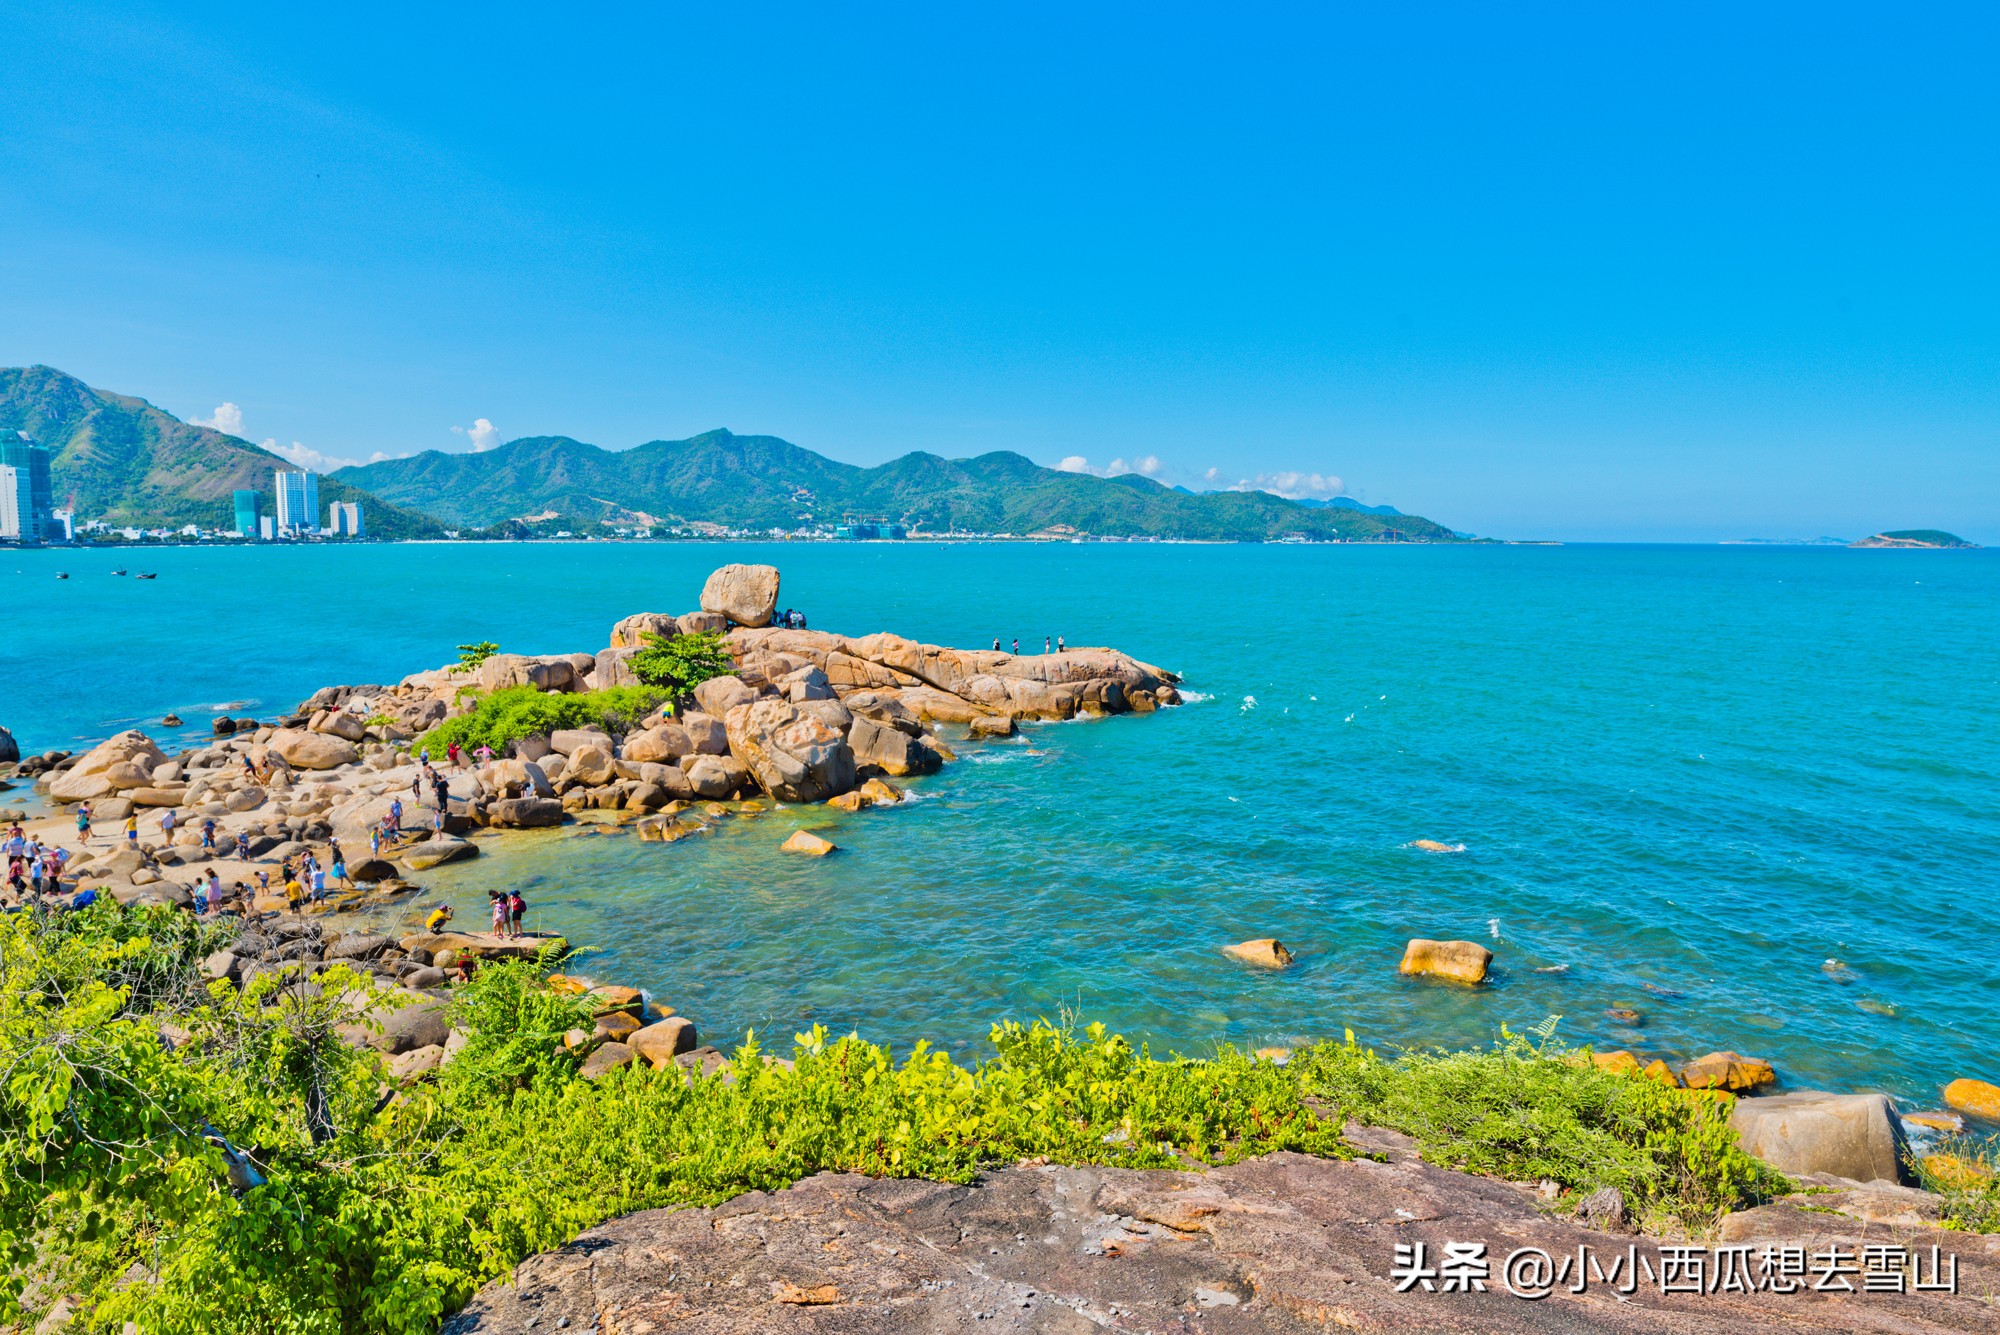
{"points": [[1285, 1243]]}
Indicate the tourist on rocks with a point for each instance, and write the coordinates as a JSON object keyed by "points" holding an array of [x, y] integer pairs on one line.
{"points": [[375, 841], [1017, 646], [1045, 646], [340, 870], [485, 754], [208, 835], [454, 757], [499, 902], [437, 818], [517, 908], [200, 889], [1059, 644], [318, 884], [132, 830], [167, 825], [996, 644], [263, 882], [83, 823], [214, 887], [438, 918], [396, 817]]}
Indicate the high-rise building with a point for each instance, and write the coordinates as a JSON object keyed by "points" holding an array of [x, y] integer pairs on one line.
{"points": [[298, 500], [343, 519], [267, 528], [248, 502], [28, 516]]}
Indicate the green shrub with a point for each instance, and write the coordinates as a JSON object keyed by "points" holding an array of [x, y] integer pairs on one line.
{"points": [[470, 656], [1530, 1113], [680, 664], [514, 712]]}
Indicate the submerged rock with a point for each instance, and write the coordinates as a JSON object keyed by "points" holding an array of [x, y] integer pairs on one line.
{"points": [[1729, 1071], [1266, 952], [1974, 1098], [805, 841]]}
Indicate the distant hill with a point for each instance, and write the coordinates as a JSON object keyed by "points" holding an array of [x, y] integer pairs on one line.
{"points": [[131, 463], [764, 482], [1915, 537]]}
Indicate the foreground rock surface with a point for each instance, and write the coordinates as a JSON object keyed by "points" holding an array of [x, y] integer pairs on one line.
{"points": [[1283, 1243]]}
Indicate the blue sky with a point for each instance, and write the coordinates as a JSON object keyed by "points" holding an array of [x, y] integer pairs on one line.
{"points": [[1681, 272]]}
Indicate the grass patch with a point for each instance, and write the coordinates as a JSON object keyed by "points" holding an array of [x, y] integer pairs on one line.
{"points": [[514, 712], [1521, 1111], [1965, 1173]]}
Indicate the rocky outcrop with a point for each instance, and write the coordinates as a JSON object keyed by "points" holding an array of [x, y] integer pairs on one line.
{"points": [[313, 750], [1855, 1136], [808, 843], [1727, 1070], [889, 750], [1283, 1244], [792, 756], [131, 753], [666, 743], [10, 750], [747, 595]]}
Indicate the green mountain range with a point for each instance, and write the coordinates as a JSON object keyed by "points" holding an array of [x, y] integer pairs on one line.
{"points": [[127, 462], [761, 482]]}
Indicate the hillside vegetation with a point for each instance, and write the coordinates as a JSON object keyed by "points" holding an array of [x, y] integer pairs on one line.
{"points": [[129, 462], [765, 482]]}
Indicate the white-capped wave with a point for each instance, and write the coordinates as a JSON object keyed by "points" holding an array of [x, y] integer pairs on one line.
{"points": [[1195, 697]]}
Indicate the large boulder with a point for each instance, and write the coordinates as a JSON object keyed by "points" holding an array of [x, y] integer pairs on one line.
{"points": [[526, 812], [803, 684], [792, 756], [86, 779], [665, 744], [1265, 952], [705, 733], [889, 749], [420, 1024], [313, 750], [658, 1044], [435, 852], [611, 667], [631, 632], [718, 695], [591, 766], [10, 751], [567, 740], [516, 778], [712, 777], [1854, 1136], [1459, 961], [747, 595], [338, 723]]}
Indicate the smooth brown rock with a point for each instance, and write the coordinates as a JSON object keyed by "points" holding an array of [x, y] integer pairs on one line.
{"points": [[313, 750], [792, 756], [616, 997], [994, 725], [1458, 961], [882, 793], [1727, 1070], [848, 802], [666, 743], [805, 841], [892, 751], [617, 1026], [718, 695], [1618, 1063], [746, 594], [605, 1060], [526, 812], [658, 1044], [86, 778], [1265, 952], [1853, 1136]]}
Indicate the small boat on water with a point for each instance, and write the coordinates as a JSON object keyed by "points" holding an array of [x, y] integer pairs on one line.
{"points": [[117, 572], [62, 574], [151, 576]]}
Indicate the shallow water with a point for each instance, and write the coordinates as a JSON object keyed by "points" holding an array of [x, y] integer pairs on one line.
{"points": [[1690, 775]]}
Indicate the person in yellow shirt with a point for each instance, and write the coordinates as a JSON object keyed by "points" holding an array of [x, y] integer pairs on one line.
{"points": [[132, 828], [439, 917]]}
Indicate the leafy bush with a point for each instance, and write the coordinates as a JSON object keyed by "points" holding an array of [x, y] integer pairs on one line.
{"points": [[680, 664], [514, 712], [1531, 1113]]}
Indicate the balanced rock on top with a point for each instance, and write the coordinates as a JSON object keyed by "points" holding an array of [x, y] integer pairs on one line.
{"points": [[747, 595]]}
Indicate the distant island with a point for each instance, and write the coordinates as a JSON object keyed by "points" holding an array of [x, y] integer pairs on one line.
{"points": [[116, 460], [1915, 537]]}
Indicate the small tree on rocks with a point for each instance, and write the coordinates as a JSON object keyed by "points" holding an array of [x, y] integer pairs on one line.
{"points": [[680, 664]]}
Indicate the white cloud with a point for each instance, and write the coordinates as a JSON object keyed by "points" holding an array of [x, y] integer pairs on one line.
{"points": [[1075, 463], [482, 433], [227, 418], [1149, 466], [307, 457], [1296, 486]]}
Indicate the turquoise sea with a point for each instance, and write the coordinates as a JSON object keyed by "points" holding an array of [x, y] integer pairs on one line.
{"points": [[1692, 775]]}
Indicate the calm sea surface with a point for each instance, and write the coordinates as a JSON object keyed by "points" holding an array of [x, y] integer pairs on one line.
{"points": [[1690, 775]]}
